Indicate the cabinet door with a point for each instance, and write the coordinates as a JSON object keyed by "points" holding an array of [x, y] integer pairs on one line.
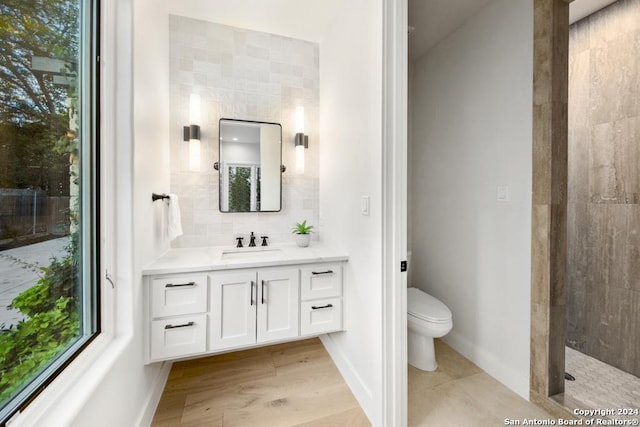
{"points": [[233, 309], [278, 304]]}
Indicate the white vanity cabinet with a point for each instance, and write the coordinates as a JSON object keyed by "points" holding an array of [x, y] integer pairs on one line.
{"points": [[253, 306], [195, 307]]}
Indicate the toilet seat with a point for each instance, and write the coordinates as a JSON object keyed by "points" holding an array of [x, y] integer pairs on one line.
{"points": [[425, 307]]}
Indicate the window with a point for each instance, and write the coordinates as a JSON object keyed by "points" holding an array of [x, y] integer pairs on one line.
{"points": [[241, 185], [48, 198]]}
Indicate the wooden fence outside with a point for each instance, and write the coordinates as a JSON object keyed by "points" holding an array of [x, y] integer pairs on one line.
{"points": [[25, 212]]}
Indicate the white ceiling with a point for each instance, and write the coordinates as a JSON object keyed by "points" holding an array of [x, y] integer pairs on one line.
{"points": [[300, 19], [240, 132], [581, 8], [434, 20]]}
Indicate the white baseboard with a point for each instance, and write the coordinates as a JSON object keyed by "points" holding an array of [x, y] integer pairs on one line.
{"points": [[151, 403], [358, 387], [489, 363]]}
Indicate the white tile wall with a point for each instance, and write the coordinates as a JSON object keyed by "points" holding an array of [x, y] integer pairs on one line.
{"points": [[249, 75]]}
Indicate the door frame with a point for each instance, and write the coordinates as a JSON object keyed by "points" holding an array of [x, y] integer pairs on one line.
{"points": [[394, 212], [549, 202], [549, 205]]}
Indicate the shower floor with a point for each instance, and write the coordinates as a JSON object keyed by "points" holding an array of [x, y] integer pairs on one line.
{"points": [[599, 386]]}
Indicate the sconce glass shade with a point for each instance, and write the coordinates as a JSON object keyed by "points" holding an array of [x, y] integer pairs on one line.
{"points": [[299, 159], [194, 155], [301, 140], [192, 132]]}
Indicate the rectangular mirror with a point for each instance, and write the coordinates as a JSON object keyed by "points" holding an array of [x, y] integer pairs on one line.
{"points": [[249, 167]]}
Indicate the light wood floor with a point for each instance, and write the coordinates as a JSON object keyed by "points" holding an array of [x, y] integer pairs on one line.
{"points": [[460, 394], [297, 384], [292, 384]]}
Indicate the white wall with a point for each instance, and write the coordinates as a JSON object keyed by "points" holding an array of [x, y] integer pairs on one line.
{"points": [[472, 126], [350, 167]]}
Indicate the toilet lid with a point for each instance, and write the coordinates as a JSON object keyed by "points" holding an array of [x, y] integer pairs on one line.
{"points": [[425, 307]]}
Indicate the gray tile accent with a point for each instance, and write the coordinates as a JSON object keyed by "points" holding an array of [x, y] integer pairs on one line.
{"points": [[250, 75], [603, 260], [600, 386]]}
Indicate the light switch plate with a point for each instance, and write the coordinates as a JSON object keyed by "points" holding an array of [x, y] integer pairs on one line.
{"points": [[502, 194]]}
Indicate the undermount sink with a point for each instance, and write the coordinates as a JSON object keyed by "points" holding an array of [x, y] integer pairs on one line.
{"points": [[249, 253]]}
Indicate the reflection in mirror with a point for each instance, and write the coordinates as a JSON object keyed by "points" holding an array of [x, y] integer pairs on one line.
{"points": [[249, 167]]}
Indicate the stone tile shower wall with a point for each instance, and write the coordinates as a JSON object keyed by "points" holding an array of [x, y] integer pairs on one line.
{"points": [[603, 317], [248, 75]]}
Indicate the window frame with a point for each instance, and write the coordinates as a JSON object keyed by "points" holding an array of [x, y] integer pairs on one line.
{"points": [[90, 227]]}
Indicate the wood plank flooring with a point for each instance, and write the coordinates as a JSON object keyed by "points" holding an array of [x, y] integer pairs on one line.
{"points": [[297, 384], [460, 394], [292, 384]]}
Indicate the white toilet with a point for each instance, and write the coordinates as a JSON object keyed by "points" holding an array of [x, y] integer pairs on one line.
{"points": [[427, 318]]}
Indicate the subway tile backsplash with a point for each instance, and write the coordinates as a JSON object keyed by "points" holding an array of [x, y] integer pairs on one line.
{"points": [[249, 75]]}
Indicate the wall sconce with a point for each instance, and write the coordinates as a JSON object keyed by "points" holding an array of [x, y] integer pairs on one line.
{"points": [[301, 141], [192, 132]]}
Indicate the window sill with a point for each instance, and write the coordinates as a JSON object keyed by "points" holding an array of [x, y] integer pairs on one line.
{"points": [[61, 401]]}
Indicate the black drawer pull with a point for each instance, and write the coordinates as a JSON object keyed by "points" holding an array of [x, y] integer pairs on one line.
{"points": [[179, 285], [315, 273], [186, 325], [315, 307]]}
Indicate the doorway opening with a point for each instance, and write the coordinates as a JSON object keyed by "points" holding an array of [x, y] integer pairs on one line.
{"points": [[583, 250]]}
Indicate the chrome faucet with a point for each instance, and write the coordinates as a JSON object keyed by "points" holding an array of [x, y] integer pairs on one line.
{"points": [[252, 242]]}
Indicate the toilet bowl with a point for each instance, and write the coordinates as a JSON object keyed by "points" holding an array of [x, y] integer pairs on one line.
{"points": [[427, 318]]}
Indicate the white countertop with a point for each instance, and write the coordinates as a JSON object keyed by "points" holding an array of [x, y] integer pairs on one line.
{"points": [[187, 260]]}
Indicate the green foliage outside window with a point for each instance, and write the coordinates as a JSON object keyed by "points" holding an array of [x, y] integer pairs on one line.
{"points": [[239, 189], [52, 324]]}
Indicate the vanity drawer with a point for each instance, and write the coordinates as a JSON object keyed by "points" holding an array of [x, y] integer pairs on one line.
{"points": [[320, 316], [178, 295], [178, 336], [321, 281]]}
